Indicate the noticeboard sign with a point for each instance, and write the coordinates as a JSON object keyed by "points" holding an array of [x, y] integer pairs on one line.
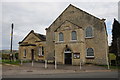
{"points": [[76, 55]]}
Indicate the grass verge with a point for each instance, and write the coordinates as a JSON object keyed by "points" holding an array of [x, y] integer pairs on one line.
{"points": [[17, 62], [111, 67]]}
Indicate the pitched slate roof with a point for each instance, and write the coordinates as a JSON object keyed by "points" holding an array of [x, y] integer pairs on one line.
{"points": [[40, 36]]}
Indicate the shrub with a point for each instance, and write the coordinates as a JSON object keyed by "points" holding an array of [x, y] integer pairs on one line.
{"points": [[5, 56]]}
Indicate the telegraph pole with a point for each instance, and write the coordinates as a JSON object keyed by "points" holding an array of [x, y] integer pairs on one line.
{"points": [[11, 55]]}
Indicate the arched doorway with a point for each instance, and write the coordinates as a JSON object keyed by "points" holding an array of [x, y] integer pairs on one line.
{"points": [[68, 56], [32, 54]]}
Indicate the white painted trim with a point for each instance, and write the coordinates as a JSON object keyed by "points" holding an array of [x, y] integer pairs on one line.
{"points": [[58, 37], [67, 52], [40, 51], [60, 41], [92, 32], [90, 56], [71, 35], [89, 37]]}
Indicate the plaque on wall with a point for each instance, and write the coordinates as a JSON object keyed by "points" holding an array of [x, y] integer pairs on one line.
{"points": [[76, 55]]}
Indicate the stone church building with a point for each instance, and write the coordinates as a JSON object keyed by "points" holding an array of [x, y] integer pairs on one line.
{"points": [[75, 36]]}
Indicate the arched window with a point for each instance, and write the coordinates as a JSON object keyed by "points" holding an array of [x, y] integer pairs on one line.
{"points": [[90, 52], [61, 36], [74, 35], [89, 32]]}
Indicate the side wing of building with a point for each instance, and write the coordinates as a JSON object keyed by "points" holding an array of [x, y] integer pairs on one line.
{"points": [[33, 47]]}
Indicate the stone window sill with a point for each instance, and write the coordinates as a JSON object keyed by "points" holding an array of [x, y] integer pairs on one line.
{"points": [[59, 41], [89, 37], [41, 56], [24, 57], [73, 40], [90, 57]]}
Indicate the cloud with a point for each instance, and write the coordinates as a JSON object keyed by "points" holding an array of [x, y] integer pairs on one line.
{"points": [[119, 11], [107, 10], [109, 39], [38, 16], [60, 1]]}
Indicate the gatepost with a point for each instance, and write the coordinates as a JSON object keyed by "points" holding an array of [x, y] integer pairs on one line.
{"points": [[32, 63], [55, 64], [45, 64]]}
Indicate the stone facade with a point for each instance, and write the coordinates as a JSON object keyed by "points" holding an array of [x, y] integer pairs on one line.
{"points": [[73, 19], [31, 47], [76, 46], [82, 19]]}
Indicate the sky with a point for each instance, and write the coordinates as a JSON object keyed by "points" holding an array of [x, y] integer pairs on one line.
{"points": [[38, 15], [119, 11]]}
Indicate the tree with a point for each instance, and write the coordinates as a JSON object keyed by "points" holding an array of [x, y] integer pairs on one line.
{"points": [[115, 45]]}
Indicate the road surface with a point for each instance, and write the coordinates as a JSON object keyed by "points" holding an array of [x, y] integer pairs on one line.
{"points": [[112, 74]]}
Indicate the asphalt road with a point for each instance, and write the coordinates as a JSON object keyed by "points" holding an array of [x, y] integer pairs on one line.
{"points": [[113, 74]]}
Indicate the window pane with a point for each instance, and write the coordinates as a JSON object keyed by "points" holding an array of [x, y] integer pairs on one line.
{"points": [[88, 32], [42, 50], [60, 36], [24, 53], [90, 52], [74, 36], [39, 51]]}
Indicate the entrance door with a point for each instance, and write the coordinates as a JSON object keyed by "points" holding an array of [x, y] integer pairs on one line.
{"points": [[68, 58], [32, 54]]}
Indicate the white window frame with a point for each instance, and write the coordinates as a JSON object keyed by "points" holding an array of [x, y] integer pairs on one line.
{"points": [[92, 32], [40, 51], [90, 56], [71, 36], [59, 37]]}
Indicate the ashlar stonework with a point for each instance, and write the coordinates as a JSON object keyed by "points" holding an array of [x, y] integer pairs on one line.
{"points": [[33, 47], [74, 37]]}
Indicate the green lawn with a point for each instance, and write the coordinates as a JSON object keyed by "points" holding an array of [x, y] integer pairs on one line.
{"points": [[17, 62], [111, 67]]}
